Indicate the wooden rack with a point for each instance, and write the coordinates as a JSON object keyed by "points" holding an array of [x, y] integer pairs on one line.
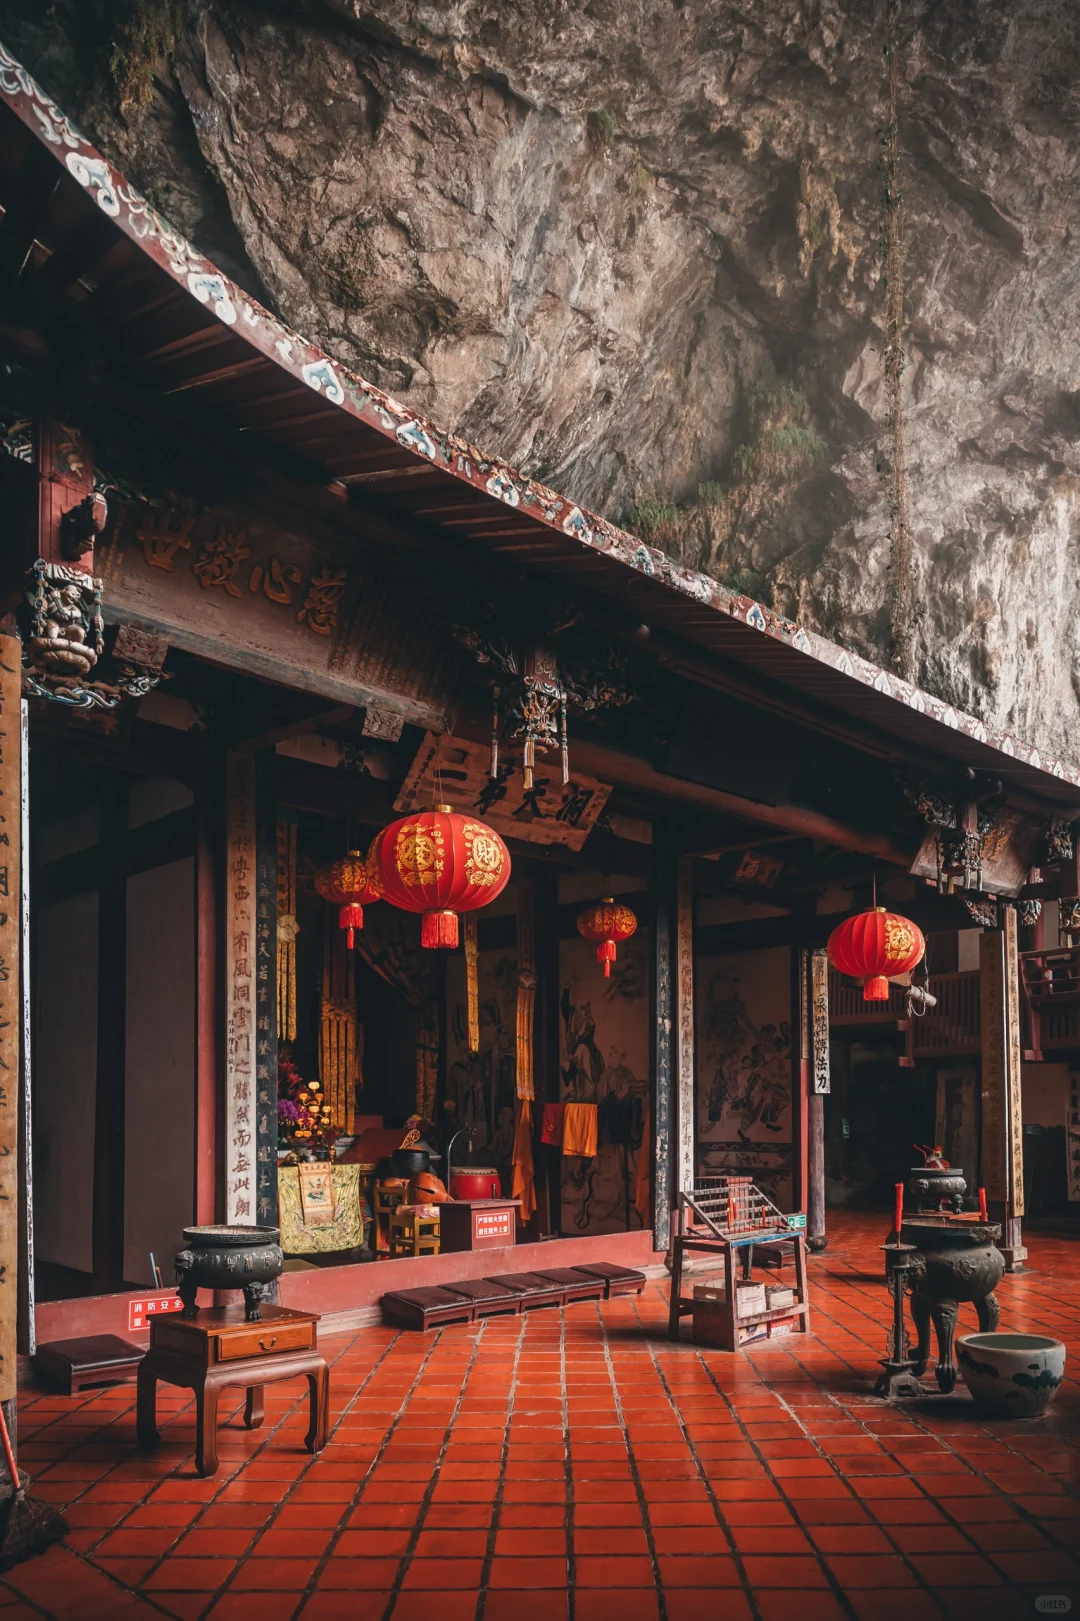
{"points": [[734, 1215]]}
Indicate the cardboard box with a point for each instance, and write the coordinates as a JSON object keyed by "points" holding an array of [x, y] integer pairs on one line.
{"points": [[749, 1299], [709, 1291], [781, 1327], [776, 1296], [753, 1333]]}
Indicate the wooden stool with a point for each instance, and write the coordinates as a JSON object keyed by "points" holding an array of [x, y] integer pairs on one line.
{"points": [[219, 1347], [98, 1359], [413, 1234]]}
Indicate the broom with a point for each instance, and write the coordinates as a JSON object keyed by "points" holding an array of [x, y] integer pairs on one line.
{"points": [[29, 1526]]}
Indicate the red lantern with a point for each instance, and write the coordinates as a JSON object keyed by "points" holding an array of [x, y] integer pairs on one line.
{"points": [[875, 947], [350, 885], [608, 924], [440, 863]]}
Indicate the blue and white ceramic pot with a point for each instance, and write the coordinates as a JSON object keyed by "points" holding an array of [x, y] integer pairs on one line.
{"points": [[1011, 1375]]}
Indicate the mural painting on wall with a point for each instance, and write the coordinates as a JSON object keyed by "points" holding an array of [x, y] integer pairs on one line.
{"points": [[604, 1059], [481, 1086], [744, 1069]]}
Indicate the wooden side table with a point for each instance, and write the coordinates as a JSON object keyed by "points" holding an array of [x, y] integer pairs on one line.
{"points": [[219, 1347]]}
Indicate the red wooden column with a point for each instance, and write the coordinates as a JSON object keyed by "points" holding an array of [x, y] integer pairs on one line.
{"points": [[209, 1025]]}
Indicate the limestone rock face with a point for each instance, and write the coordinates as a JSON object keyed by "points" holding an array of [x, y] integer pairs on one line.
{"points": [[589, 235]]}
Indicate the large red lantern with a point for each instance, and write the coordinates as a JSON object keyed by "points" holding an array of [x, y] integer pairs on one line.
{"points": [[350, 885], [440, 863], [607, 923], [875, 947]]}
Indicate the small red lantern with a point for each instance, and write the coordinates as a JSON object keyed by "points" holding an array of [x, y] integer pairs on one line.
{"points": [[875, 947], [350, 885], [440, 863], [608, 924]]}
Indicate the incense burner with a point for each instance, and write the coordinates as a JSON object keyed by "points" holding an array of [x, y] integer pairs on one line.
{"points": [[928, 1185], [952, 1261], [247, 1258]]}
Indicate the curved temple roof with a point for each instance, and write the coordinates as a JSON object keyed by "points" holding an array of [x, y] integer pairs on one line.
{"points": [[204, 333]]}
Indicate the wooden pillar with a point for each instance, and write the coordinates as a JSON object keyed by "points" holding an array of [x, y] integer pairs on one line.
{"points": [[11, 1006], [209, 1028], [818, 1032], [663, 1067], [27, 1331], [684, 1026], [1002, 1155], [110, 1097], [266, 1037], [547, 1161]]}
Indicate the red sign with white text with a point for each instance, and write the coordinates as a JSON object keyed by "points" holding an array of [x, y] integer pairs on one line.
{"points": [[140, 1311]]}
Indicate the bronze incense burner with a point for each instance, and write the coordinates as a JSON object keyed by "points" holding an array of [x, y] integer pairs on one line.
{"points": [[952, 1260]]}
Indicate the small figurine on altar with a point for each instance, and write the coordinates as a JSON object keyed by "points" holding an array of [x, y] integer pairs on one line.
{"points": [[933, 1158]]}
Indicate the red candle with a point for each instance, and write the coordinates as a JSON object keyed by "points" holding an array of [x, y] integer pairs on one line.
{"points": [[899, 1208], [982, 1203]]}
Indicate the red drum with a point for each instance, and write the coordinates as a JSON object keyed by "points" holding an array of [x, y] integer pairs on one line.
{"points": [[475, 1182]]}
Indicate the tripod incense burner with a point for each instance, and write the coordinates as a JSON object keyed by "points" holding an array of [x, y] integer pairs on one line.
{"points": [[951, 1261]]}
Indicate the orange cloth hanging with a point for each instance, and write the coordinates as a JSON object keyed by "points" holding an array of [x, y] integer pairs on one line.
{"points": [[643, 1177], [579, 1130], [523, 1185]]}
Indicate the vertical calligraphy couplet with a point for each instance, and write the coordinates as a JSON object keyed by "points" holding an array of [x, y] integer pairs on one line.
{"points": [[10, 1001], [240, 968], [266, 1033]]}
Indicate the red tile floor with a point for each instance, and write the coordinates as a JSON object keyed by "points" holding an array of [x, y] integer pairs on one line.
{"points": [[576, 1464]]}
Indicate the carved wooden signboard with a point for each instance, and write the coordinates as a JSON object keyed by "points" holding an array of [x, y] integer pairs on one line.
{"points": [[240, 960], [1012, 1070], [324, 616], [453, 771], [1002, 1117], [266, 1036], [819, 1024], [10, 1001]]}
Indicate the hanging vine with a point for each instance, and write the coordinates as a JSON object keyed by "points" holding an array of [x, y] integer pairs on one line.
{"points": [[892, 247]]}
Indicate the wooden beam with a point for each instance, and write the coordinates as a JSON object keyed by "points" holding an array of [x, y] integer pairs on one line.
{"points": [[614, 766], [272, 722]]}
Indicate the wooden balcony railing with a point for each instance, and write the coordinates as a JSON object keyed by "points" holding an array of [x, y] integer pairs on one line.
{"points": [[952, 1029], [1052, 983]]}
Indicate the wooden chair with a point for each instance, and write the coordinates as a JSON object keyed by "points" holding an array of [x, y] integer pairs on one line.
{"points": [[383, 1204], [413, 1234]]}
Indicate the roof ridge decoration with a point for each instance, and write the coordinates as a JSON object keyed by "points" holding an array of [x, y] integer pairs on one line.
{"points": [[204, 281]]}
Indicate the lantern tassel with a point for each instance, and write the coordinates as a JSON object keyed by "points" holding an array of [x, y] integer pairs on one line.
{"points": [[351, 918], [439, 930], [876, 989], [605, 953]]}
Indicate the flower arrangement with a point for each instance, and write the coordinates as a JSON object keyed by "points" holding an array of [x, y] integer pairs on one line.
{"points": [[303, 1115]]}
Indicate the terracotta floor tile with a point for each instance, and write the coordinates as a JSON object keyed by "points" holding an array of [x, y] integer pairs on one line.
{"points": [[246, 1607], [548, 1605], [186, 1574], [774, 1605], [619, 1604], [439, 1573], [451, 1606], [789, 1572]]}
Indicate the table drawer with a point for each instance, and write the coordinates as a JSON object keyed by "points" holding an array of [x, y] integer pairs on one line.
{"points": [[264, 1339]]}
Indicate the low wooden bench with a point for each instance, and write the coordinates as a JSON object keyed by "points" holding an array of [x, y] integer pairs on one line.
{"points": [[618, 1280], [426, 1308], [487, 1296], [534, 1289], [469, 1298], [575, 1283]]}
